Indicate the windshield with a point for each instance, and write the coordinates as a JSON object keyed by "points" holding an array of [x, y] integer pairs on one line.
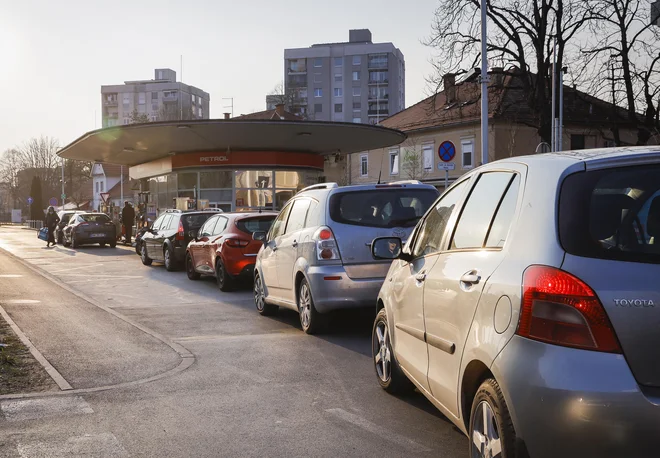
{"points": [[612, 214], [195, 221], [100, 218], [386, 208], [256, 224]]}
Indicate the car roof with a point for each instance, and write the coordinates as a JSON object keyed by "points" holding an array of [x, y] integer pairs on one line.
{"points": [[331, 188]]}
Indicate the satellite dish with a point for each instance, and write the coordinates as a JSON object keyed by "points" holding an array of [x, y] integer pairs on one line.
{"points": [[543, 147]]}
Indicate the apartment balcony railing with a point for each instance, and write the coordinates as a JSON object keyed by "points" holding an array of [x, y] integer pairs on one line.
{"points": [[378, 112], [110, 103], [375, 64], [170, 98], [374, 97], [378, 82], [297, 70]]}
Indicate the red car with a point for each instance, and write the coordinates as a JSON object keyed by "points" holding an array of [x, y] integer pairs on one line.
{"points": [[224, 247]]}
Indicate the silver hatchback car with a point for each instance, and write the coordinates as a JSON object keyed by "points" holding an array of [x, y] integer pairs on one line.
{"points": [[526, 306], [317, 255]]}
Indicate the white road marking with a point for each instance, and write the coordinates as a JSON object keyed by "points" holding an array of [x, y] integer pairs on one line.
{"points": [[89, 445], [37, 408], [10, 276], [378, 430], [21, 301]]}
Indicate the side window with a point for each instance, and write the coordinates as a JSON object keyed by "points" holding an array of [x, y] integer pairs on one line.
{"points": [[158, 222], [174, 222], [478, 211], [279, 224], [207, 228], [298, 215], [220, 226], [502, 221], [313, 214], [433, 227], [164, 225]]}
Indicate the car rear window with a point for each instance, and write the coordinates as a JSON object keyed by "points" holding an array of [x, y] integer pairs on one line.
{"points": [[386, 208], [612, 214], [196, 220], [256, 224], [95, 218]]}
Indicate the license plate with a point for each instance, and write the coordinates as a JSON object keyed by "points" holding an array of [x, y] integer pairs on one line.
{"points": [[98, 235]]}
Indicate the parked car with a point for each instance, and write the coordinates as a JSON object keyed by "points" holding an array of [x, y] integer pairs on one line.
{"points": [[225, 249], [525, 305], [168, 237], [65, 216], [89, 228], [316, 256]]}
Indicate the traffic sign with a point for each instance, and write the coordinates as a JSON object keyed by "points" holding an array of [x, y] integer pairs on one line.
{"points": [[104, 196], [446, 151], [63, 196], [30, 200], [446, 166], [52, 201]]}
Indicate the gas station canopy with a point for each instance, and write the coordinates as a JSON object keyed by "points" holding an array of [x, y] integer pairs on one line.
{"points": [[135, 144]]}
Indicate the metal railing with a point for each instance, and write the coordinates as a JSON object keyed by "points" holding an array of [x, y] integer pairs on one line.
{"points": [[34, 224]]}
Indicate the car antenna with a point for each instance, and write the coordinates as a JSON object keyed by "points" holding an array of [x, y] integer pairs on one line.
{"points": [[379, 174]]}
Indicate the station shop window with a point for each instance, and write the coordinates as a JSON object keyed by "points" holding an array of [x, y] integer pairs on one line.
{"points": [[187, 180], [216, 179], [256, 198]]}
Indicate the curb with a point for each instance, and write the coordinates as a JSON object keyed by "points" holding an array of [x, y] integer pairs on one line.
{"points": [[187, 358]]}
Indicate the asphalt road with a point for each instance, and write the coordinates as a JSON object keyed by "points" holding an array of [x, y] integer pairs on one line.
{"points": [[159, 365]]}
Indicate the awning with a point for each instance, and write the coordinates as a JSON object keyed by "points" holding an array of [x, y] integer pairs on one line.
{"points": [[135, 144]]}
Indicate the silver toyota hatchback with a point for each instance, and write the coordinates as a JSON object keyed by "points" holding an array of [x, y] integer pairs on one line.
{"points": [[317, 255], [526, 306]]}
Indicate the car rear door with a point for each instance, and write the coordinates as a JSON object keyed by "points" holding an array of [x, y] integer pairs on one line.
{"points": [[287, 252], [149, 237], [471, 252], [609, 225], [199, 247], [268, 257], [384, 211]]}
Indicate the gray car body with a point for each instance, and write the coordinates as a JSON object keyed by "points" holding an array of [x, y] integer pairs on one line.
{"points": [[563, 401], [285, 260]]}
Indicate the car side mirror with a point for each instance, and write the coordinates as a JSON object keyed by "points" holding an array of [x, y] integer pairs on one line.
{"points": [[388, 248], [259, 236]]}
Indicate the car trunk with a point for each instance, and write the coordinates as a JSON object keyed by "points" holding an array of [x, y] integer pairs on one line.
{"points": [[248, 226], [630, 294], [93, 229]]}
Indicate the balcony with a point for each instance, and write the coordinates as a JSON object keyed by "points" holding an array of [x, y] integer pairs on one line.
{"points": [[380, 113], [374, 65], [170, 98], [110, 103], [382, 82], [297, 71], [375, 98]]}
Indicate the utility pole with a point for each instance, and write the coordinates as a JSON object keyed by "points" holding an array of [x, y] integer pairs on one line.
{"points": [[63, 196], [230, 105], [560, 127], [553, 135], [484, 84]]}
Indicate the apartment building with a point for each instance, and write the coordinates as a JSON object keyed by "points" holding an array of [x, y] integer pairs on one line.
{"points": [[161, 99], [356, 81]]}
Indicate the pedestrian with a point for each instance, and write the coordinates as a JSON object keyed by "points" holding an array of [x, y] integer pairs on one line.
{"points": [[50, 221], [127, 219]]}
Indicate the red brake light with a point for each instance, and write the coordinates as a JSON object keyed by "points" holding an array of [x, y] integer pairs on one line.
{"points": [[561, 309], [325, 234], [181, 233], [237, 243]]}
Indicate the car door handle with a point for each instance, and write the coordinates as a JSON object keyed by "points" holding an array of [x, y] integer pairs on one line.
{"points": [[471, 277], [294, 244], [420, 277]]}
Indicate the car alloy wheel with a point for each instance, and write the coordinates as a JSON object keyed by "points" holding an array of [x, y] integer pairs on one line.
{"points": [[486, 442], [190, 268], [310, 320], [167, 255], [263, 307], [491, 432], [225, 281], [381, 351]]}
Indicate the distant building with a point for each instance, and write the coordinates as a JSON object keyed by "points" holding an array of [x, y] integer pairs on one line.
{"points": [[160, 99], [278, 113], [355, 81], [107, 178]]}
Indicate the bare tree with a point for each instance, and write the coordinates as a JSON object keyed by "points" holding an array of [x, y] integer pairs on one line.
{"points": [[412, 160], [171, 112], [293, 99], [138, 118]]}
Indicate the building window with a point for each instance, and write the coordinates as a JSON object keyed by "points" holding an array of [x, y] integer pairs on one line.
{"points": [[357, 60], [364, 165], [427, 156], [142, 98], [154, 96], [357, 120], [317, 62], [127, 101], [357, 106], [577, 141], [394, 161], [467, 152], [318, 107], [102, 186], [356, 92], [98, 187], [338, 92], [302, 93], [201, 112], [339, 62], [317, 77], [154, 107], [356, 76], [338, 78], [318, 92], [126, 121], [378, 61], [338, 108], [154, 118]]}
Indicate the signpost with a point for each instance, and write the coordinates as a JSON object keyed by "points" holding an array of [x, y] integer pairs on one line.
{"points": [[446, 152], [30, 200], [104, 197], [53, 202]]}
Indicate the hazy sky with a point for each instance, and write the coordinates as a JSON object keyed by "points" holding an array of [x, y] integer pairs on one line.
{"points": [[55, 55]]}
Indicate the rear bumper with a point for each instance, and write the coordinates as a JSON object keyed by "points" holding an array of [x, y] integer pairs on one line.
{"points": [[344, 293], [241, 267], [575, 403], [83, 239]]}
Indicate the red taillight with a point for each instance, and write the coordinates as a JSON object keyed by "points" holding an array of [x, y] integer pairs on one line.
{"points": [[326, 245], [325, 234], [561, 309], [181, 233], [236, 243]]}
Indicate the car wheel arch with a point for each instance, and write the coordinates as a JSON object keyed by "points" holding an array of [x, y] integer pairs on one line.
{"points": [[476, 372]]}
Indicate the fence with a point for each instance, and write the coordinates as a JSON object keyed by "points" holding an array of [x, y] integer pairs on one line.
{"points": [[34, 224]]}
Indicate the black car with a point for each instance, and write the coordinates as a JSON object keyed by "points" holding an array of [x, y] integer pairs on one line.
{"points": [[169, 236], [90, 228], [65, 216]]}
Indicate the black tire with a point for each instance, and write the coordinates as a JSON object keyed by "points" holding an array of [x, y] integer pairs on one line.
{"points": [[74, 242], [113, 244], [388, 372], [138, 248], [65, 243], [102, 244], [500, 433], [146, 260], [60, 238], [311, 320], [190, 268], [168, 259], [225, 281], [263, 307]]}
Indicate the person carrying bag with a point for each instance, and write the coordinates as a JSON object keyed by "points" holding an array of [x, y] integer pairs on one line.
{"points": [[50, 221]]}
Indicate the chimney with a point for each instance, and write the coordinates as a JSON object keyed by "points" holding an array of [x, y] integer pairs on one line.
{"points": [[449, 83], [497, 76], [279, 109], [226, 115]]}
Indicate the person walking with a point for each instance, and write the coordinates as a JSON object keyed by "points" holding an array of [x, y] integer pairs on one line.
{"points": [[50, 221], [127, 219]]}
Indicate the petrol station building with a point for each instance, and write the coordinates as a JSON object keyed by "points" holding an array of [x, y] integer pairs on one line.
{"points": [[231, 164]]}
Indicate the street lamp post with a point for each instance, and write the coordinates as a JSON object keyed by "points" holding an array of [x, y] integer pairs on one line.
{"points": [[484, 85]]}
